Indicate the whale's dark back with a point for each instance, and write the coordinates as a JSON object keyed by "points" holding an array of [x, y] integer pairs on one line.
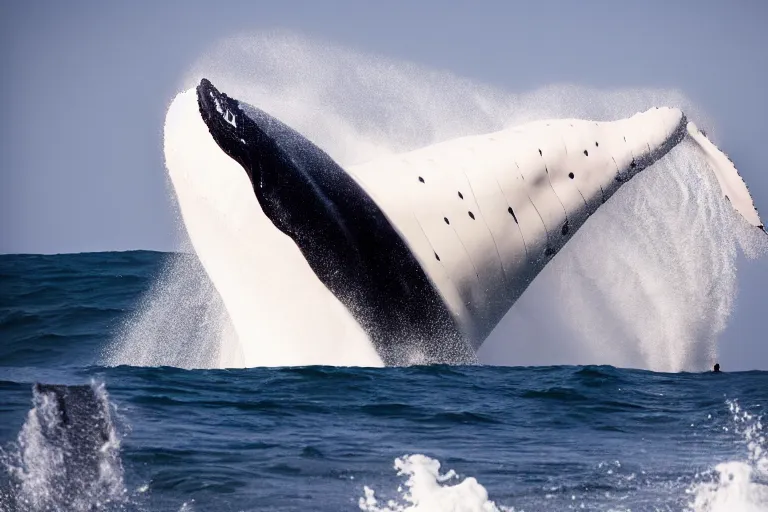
{"points": [[79, 423], [69, 452], [345, 237]]}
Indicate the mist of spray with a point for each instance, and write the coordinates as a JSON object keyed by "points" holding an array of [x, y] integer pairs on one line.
{"points": [[731, 486], [181, 321], [648, 282]]}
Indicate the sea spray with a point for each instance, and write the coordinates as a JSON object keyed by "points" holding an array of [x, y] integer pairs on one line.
{"points": [[737, 485], [181, 321], [428, 490], [651, 280]]}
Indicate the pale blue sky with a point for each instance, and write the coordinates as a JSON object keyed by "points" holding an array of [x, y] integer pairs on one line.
{"points": [[85, 86]]}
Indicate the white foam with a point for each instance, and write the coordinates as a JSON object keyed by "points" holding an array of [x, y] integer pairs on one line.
{"points": [[737, 486], [427, 490]]}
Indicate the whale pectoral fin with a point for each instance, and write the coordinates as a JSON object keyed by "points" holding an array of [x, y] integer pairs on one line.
{"points": [[731, 184], [78, 408]]}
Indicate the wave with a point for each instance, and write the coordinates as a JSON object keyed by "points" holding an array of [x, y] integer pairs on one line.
{"points": [[427, 490], [733, 486], [741, 485]]}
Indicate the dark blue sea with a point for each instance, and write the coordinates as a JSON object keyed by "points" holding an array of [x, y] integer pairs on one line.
{"points": [[423, 438]]}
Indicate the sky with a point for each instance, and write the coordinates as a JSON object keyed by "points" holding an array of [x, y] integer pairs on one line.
{"points": [[86, 85]]}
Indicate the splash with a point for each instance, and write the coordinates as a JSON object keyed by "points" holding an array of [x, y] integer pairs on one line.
{"points": [[181, 322], [49, 470], [648, 282], [731, 486], [430, 491], [737, 486]]}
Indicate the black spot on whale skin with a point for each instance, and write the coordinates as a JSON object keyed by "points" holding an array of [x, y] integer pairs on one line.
{"points": [[344, 236]]}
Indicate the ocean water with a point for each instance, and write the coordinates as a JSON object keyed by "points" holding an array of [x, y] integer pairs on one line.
{"points": [[421, 438]]}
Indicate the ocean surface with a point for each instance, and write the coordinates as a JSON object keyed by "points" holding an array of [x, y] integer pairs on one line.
{"points": [[422, 438]]}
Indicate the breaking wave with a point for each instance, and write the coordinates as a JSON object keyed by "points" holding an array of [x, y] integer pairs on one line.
{"points": [[733, 486]]}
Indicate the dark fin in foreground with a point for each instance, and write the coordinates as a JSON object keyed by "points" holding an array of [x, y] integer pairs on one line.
{"points": [[68, 453]]}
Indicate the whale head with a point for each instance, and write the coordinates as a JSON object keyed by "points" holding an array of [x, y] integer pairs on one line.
{"points": [[225, 120], [344, 236], [285, 169]]}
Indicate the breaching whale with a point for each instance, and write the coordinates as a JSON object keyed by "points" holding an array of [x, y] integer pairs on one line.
{"points": [[429, 249]]}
